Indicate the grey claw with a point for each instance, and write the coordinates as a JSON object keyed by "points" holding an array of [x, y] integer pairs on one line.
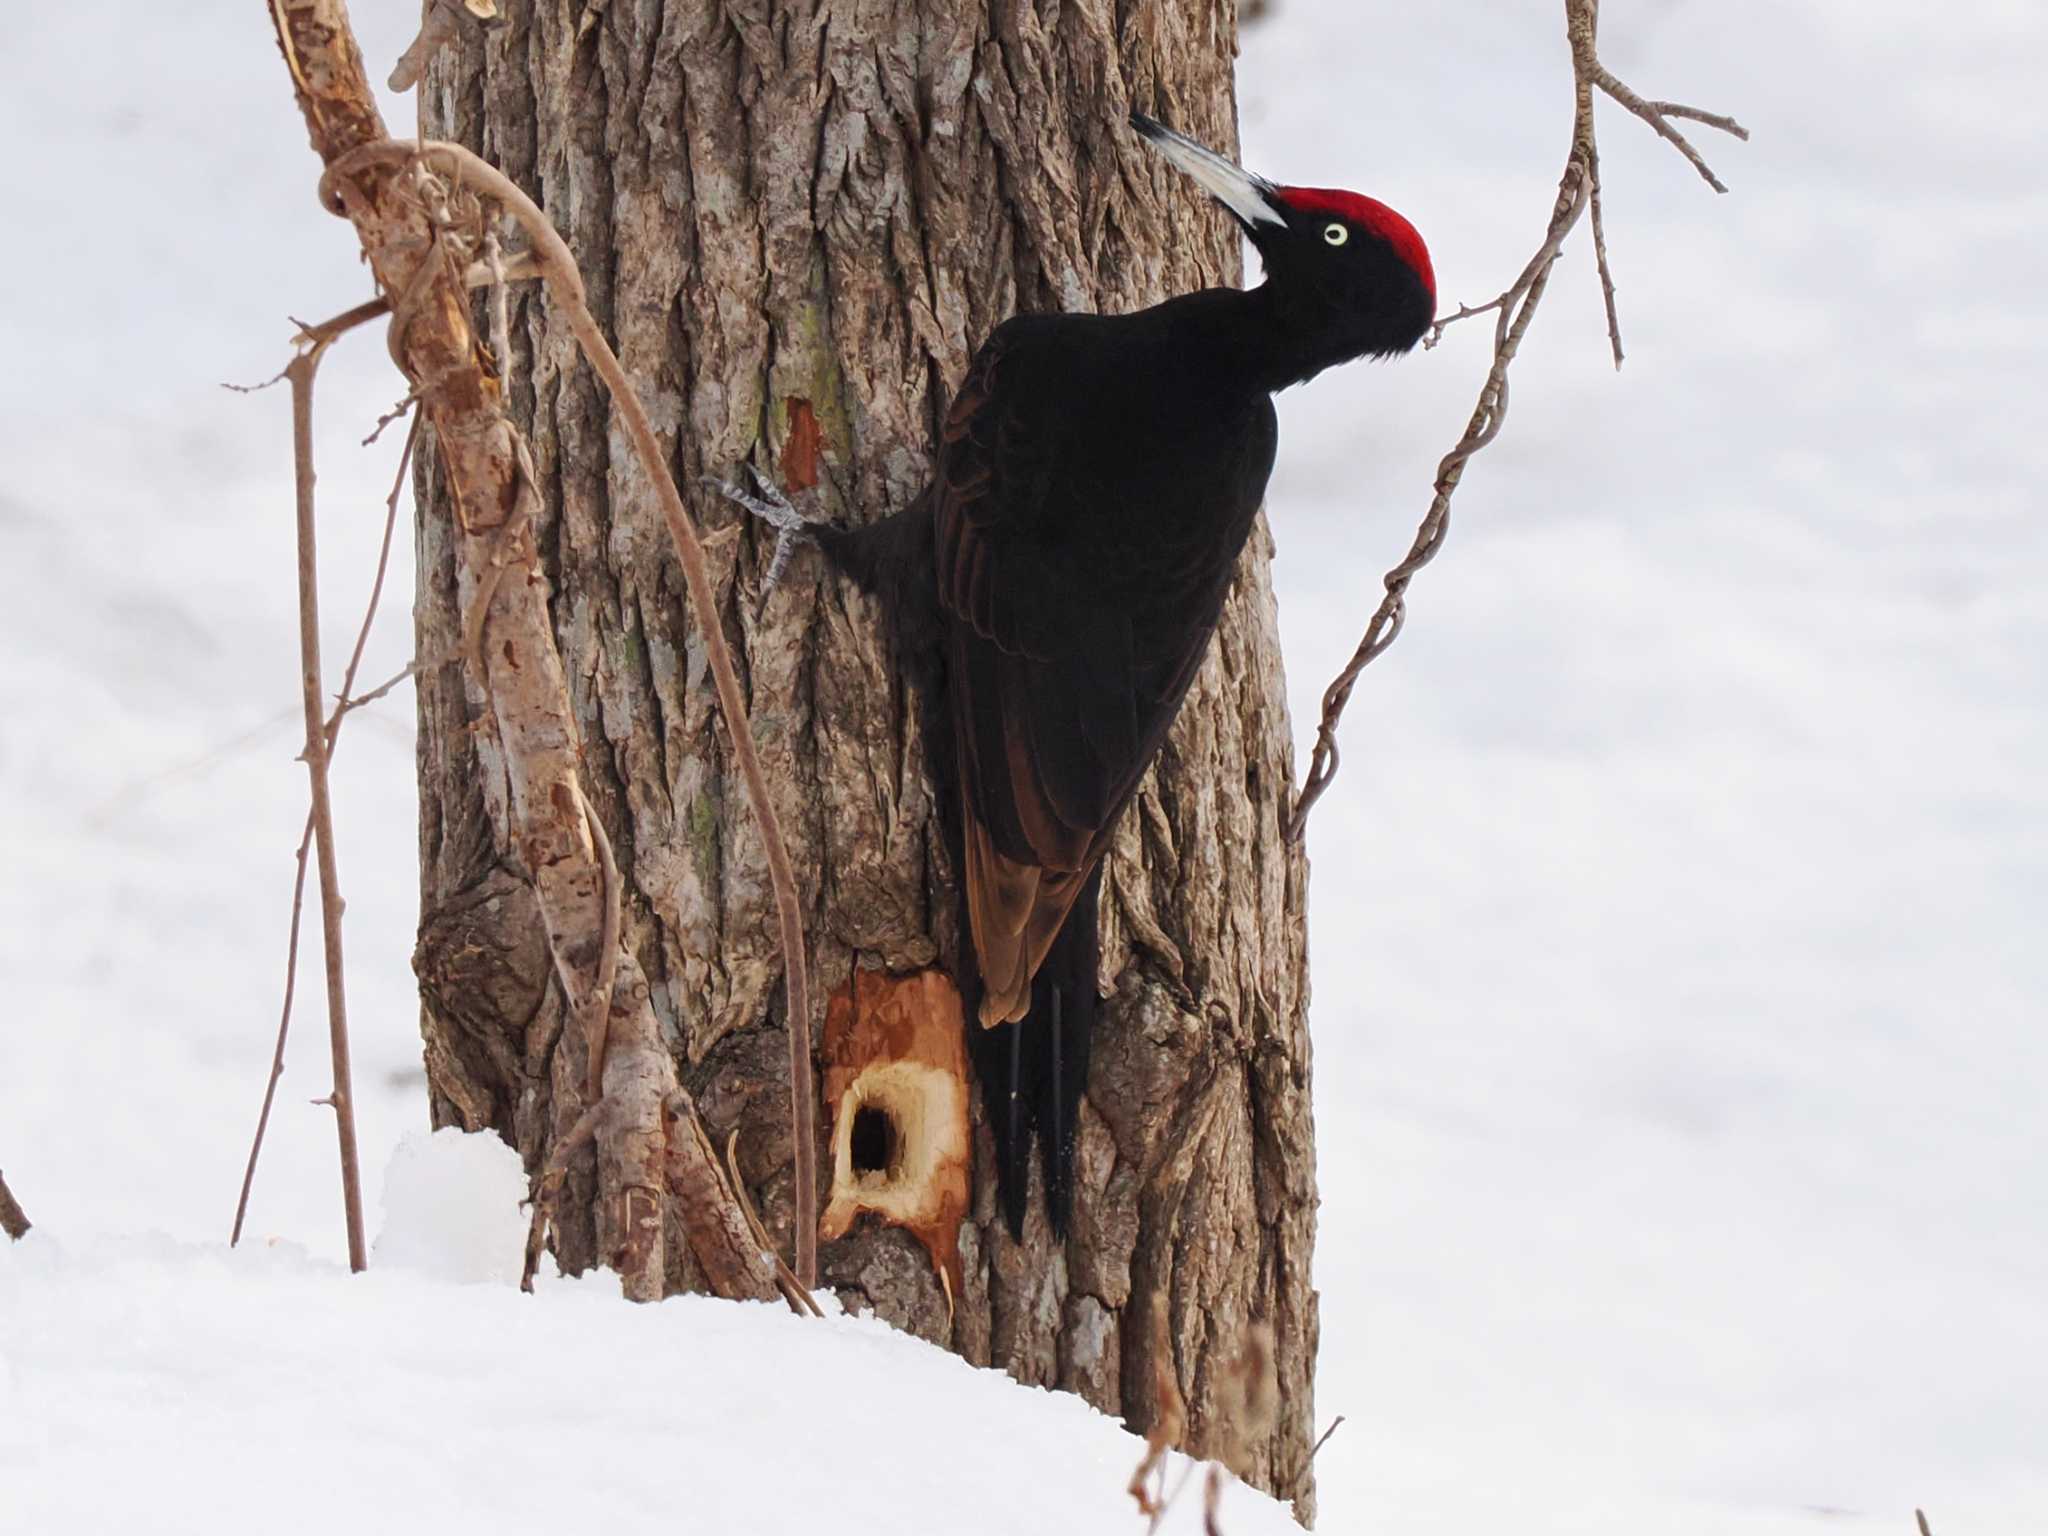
{"points": [[778, 512]]}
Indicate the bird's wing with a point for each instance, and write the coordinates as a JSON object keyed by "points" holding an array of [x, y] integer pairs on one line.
{"points": [[1063, 679]]}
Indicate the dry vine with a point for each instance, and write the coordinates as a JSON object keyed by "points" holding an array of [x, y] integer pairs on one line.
{"points": [[557, 267], [420, 211], [1578, 190]]}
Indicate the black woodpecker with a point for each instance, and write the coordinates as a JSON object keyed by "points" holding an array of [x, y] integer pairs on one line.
{"points": [[1053, 590]]}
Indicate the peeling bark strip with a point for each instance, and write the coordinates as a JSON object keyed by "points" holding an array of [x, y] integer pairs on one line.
{"points": [[781, 206], [420, 236]]}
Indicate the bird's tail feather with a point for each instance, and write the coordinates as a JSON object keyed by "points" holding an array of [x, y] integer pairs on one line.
{"points": [[1033, 1072]]}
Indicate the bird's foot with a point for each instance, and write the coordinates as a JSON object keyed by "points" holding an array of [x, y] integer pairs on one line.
{"points": [[778, 512]]}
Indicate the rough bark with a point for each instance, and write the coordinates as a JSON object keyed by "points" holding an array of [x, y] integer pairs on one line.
{"points": [[796, 221]]}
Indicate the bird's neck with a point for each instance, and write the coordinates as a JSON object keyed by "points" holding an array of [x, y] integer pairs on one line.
{"points": [[1255, 339]]}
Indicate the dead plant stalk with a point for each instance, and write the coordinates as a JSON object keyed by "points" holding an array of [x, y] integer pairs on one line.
{"points": [[342, 708]]}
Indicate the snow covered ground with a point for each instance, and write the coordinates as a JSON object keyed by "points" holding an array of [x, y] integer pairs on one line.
{"points": [[148, 1384], [1678, 916]]}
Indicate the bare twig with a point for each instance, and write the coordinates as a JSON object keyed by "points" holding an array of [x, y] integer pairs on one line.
{"points": [[1578, 188], [1250, 1403], [501, 324], [441, 25], [13, 1221], [284, 1024], [547, 1184], [1920, 1519], [301, 374], [1169, 1423], [1516, 308], [410, 670], [1464, 312], [1212, 1501], [799, 1299], [339, 326], [1658, 114], [397, 412], [346, 703], [514, 267], [597, 1007], [565, 282], [720, 1235], [1317, 1449]]}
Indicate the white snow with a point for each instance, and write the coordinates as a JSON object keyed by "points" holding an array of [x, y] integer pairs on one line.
{"points": [[451, 1208], [152, 1385], [1679, 979]]}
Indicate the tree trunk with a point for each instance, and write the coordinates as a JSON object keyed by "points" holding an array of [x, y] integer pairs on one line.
{"points": [[797, 220]]}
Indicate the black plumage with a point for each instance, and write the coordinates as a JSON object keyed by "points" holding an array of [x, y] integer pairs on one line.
{"points": [[1054, 590]]}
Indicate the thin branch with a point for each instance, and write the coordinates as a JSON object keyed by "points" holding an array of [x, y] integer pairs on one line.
{"points": [[1718, 120], [13, 1220], [397, 413], [284, 1024], [333, 733], [565, 282], [1658, 115], [1578, 189], [545, 1187], [597, 1007], [1515, 309], [1317, 1449], [1212, 1501], [441, 25], [1920, 1519], [1600, 266], [333, 330], [1464, 312], [514, 267], [411, 669], [301, 374], [355, 655], [800, 1300], [1169, 1424]]}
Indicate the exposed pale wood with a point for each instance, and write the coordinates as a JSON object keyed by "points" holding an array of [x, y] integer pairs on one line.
{"points": [[896, 1053]]}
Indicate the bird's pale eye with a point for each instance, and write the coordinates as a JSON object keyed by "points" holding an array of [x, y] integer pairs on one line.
{"points": [[1336, 234]]}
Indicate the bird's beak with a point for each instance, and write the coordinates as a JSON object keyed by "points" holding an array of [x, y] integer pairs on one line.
{"points": [[1249, 197]]}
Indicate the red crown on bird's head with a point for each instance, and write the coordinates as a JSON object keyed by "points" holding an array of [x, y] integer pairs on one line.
{"points": [[1371, 215]]}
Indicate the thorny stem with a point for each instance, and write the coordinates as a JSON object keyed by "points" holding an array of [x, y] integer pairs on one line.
{"points": [[558, 267], [301, 373], [1578, 189], [346, 703]]}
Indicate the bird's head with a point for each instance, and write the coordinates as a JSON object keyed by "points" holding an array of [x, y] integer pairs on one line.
{"points": [[1345, 264]]}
